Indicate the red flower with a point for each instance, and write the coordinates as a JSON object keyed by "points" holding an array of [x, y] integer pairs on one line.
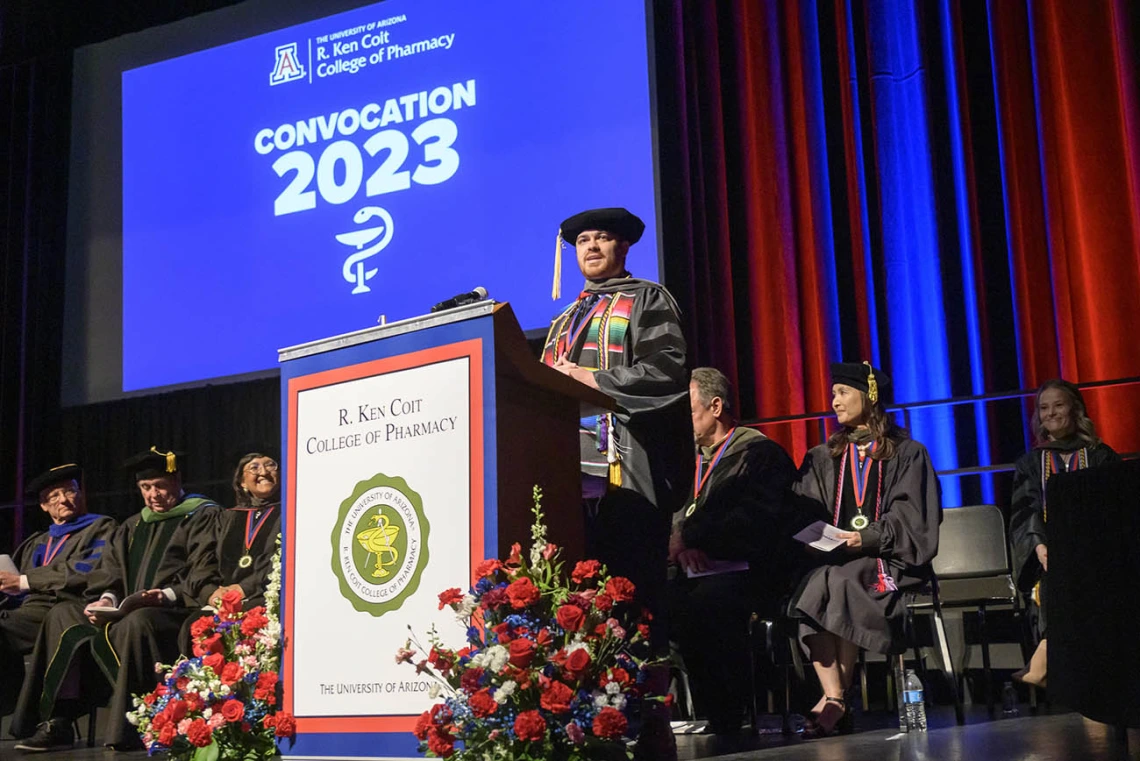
{"points": [[194, 702], [231, 603], [487, 568], [585, 569], [522, 592], [544, 638], [266, 684], [181, 683], [441, 744], [423, 725], [530, 726], [201, 626], [253, 622], [167, 734], [211, 644], [493, 598], [577, 663], [199, 733], [603, 602], [482, 704], [176, 710], [610, 723], [549, 550], [442, 660], [515, 557], [556, 698], [570, 617], [215, 661], [231, 674], [643, 630], [285, 725], [450, 597], [233, 710], [502, 632], [149, 699], [620, 589], [469, 681], [160, 720], [522, 652], [619, 675]]}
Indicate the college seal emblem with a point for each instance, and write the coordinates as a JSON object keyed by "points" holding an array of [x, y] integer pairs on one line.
{"points": [[380, 544]]}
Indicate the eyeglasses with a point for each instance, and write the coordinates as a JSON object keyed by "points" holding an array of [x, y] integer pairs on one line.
{"points": [[257, 467], [59, 495]]}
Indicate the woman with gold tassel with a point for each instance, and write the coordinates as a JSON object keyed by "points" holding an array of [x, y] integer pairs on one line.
{"points": [[877, 485]]}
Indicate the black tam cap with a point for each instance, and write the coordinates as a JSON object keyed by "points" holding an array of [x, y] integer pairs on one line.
{"points": [[57, 475], [620, 222], [154, 464], [862, 376]]}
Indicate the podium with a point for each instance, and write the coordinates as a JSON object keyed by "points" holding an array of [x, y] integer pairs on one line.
{"points": [[410, 454]]}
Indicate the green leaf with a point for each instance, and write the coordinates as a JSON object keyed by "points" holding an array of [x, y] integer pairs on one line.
{"points": [[208, 753]]}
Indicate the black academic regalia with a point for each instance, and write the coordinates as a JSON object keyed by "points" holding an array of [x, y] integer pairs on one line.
{"points": [[850, 593], [1027, 507], [225, 569], [139, 556], [75, 550], [629, 528], [742, 513]]}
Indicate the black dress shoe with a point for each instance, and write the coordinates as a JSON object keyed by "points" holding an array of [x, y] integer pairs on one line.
{"points": [[51, 735]]}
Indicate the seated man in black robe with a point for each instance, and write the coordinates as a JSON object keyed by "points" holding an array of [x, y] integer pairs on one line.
{"points": [[52, 566], [136, 606], [731, 545]]}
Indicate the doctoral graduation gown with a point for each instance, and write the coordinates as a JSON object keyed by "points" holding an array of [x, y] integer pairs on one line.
{"points": [[857, 595], [642, 451], [1027, 507], [141, 555], [57, 563], [742, 513], [641, 365], [224, 568]]}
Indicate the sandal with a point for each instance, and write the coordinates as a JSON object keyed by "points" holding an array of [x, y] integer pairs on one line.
{"points": [[820, 727]]}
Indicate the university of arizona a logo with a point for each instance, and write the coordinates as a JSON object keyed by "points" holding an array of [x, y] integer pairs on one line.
{"points": [[288, 66]]}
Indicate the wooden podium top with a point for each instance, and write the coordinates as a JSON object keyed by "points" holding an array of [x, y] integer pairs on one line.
{"points": [[512, 353]]}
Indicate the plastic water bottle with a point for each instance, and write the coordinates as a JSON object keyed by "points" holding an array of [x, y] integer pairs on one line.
{"points": [[1009, 701], [915, 704]]}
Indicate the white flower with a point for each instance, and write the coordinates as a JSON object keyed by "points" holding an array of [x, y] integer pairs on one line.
{"points": [[506, 689], [601, 700], [132, 719], [613, 688], [466, 607], [207, 712], [618, 702], [434, 690]]}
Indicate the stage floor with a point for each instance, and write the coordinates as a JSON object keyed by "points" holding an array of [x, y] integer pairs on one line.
{"points": [[1057, 737]]}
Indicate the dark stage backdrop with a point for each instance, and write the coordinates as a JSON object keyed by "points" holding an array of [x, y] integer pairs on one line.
{"points": [[951, 190]]}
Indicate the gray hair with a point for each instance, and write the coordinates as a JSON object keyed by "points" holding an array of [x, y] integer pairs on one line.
{"points": [[712, 383]]}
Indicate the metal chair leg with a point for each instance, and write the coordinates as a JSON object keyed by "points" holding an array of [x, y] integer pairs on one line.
{"points": [[987, 672], [91, 724], [948, 662]]}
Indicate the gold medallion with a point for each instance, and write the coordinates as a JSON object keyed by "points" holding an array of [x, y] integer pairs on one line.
{"points": [[245, 562], [691, 509], [860, 522]]}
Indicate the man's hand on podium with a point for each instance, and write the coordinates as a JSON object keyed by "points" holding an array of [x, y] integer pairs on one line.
{"points": [[580, 374]]}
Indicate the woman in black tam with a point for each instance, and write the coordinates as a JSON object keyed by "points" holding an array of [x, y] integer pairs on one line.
{"points": [[876, 484], [1065, 440]]}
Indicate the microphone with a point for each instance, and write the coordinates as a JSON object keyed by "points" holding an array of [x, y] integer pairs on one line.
{"points": [[478, 294]]}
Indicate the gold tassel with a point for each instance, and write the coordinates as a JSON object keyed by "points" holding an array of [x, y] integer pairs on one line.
{"points": [[872, 384], [612, 454], [556, 291], [171, 462]]}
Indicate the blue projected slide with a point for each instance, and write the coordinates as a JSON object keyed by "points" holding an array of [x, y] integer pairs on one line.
{"points": [[299, 184]]}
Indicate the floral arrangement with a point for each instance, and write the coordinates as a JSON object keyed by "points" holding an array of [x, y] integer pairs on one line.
{"points": [[222, 703], [551, 668]]}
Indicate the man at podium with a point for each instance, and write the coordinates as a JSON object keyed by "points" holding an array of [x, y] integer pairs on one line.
{"points": [[623, 336]]}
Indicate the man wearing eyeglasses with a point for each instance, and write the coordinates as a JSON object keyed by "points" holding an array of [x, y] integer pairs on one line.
{"points": [[51, 566], [136, 602]]}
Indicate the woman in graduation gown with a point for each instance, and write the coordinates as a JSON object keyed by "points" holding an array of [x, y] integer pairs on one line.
{"points": [[876, 484], [1066, 440], [247, 540]]}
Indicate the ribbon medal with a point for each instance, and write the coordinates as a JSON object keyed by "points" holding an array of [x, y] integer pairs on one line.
{"points": [[251, 530], [698, 479], [860, 472]]}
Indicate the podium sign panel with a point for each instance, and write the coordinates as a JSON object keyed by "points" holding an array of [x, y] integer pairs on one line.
{"points": [[385, 497]]}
